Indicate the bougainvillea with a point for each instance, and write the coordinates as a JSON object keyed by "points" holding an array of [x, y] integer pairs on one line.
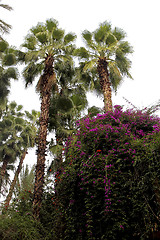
{"points": [[108, 185]]}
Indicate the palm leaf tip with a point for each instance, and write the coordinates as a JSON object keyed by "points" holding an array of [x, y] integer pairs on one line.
{"points": [[87, 35], [57, 34], [69, 38], [42, 37], [51, 24]]}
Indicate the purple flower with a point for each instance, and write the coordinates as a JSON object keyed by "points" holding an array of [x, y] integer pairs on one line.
{"points": [[121, 226]]}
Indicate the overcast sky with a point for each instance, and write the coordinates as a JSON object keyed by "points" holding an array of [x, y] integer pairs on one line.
{"points": [[140, 19]]}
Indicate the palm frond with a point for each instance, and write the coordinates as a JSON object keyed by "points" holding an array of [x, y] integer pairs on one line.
{"points": [[3, 46], [64, 104], [119, 34], [37, 29], [82, 53], [51, 24], [90, 64], [115, 75], [4, 27], [101, 32], [30, 42], [31, 71], [70, 37], [57, 34], [7, 7], [9, 59], [42, 37], [123, 63]]}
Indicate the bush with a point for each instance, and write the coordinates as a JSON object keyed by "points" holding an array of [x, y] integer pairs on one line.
{"points": [[17, 227], [108, 187]]}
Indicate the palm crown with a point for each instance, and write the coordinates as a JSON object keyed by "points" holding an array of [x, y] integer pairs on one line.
{"points": [[43, 41], [106, 49]]}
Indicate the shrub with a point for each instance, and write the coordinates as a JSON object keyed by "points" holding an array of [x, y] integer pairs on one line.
{"points": [[17, 227], [108, 187]]}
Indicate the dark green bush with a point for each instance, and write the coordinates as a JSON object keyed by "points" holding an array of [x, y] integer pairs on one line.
{"points": [[17, 227], [108, 187]]}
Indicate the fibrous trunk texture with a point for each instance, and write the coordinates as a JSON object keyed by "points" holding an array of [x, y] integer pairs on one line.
{"points": [[3, 170], [105, 83], [46, 82], [9, 196]]}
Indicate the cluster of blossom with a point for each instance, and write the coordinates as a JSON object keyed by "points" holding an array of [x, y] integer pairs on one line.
{"points": [[101, 149]]}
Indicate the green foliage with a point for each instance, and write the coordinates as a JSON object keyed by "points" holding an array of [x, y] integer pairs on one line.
{"points": [[82, 53], [57, 34], [108, 186], [18, 132], [51, 24], [69, 38], [5, 27], [3, 46], [105, 43], [64, 104], [9, 59], [20, 227]]}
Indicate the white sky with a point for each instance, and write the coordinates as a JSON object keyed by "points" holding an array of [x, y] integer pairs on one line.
{"points": [[140, 19]]}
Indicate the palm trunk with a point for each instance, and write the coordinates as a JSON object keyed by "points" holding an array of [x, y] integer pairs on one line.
{"points": [[45, 89], [3, 170], [105, 83], [9, 196]]}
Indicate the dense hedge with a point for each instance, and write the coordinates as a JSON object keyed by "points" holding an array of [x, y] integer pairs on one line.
{"points": [[108, 187]]}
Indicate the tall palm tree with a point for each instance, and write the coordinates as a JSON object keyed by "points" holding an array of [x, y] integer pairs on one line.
{"points": [[17, 135], [106, 55], [29, 135], [45, 45], [5, 27]]}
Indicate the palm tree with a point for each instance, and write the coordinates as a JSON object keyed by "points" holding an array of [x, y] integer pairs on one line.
{"points": [[5, 27], [106, 54], [28, 135], [10, 143], [17, 135], [45, 45]]}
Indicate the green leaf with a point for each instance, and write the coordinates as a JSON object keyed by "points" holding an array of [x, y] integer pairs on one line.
{"points": [[69, 38], [13, 105], [19, 121], [19, 108], [57, 34], [119, 34], [3, 46], [42, 37], [12, 73], [82, 53], [39, 28], [101, 32], [51, 24], [8, 122], [9, 59], [30, 42], [87, 35], [64, 104]]}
